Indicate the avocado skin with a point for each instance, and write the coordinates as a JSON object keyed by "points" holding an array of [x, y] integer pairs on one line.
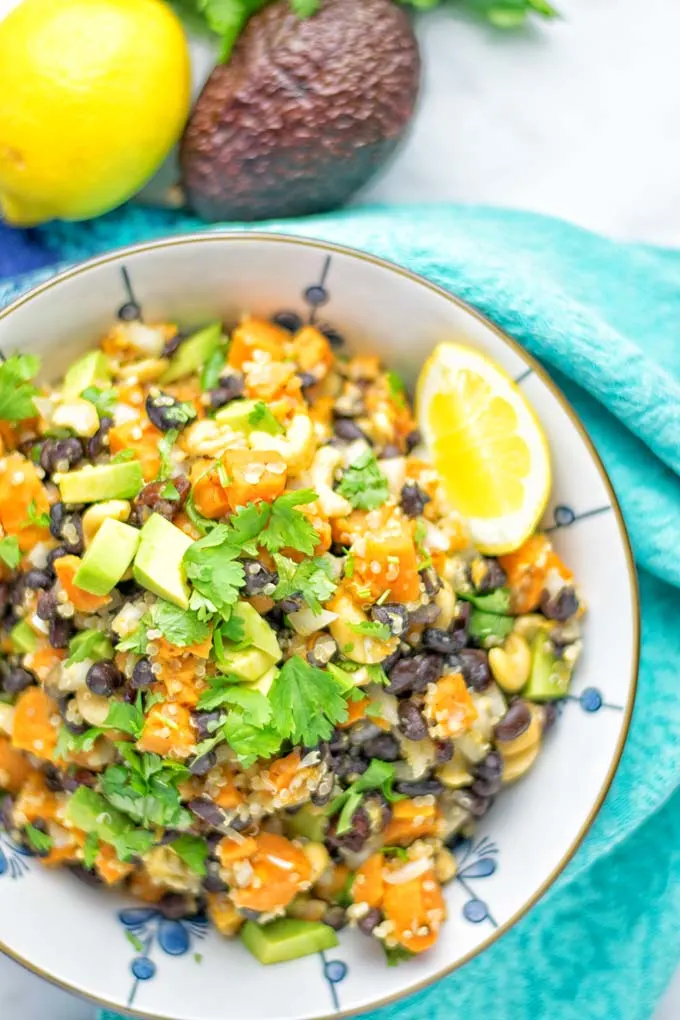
{"points": [[305, 112]]}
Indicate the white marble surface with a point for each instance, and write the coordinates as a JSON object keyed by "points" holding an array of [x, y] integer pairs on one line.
{"points": [[577, 119]]}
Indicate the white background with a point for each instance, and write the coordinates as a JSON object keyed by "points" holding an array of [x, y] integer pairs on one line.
{"points": [[578, 119]]}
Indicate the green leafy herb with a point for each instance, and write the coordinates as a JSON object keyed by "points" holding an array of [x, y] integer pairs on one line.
{"points": [[170, 492], [233, 629], [103, 400], [419, 536], [181, 627], [90, 850], [16, 388], [127, 718], [364, 484], [35, 519], [122, 456], [198, 957], [213, 568], [313, 579], [89, 644], [349, 565], [372, 629], [261, 418], [218, 692], [396, 387], [288, 527], [73, 743], [180, 414], [10, 553], [145, 788], [138, 640], [202, 524], [40, 841], [213, 368], [193, 850], [249, 741], [396, 955], [307, 702], [246, 525], [400, 852], [165, 446], [136, 943], [378, 776]]}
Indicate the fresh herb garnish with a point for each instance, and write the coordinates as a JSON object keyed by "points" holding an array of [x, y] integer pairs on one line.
{"points": [[213, 567], [10, 553], [165, 446], [34, 518], [136, 943], [146, 790], [396, 387], [122, 456], [378, 776], [90, 850], [180, 414], [213, 368], [396, 955], [288, 527], [138, 640], [16, 389], [313, 579], [170, 491], [308, 702], [89, 644], [193, 850], [126, 718], [364, 484], [262, 419], [180, 627], [103, 400], [349, 565], [40, 841], [372, 629]]}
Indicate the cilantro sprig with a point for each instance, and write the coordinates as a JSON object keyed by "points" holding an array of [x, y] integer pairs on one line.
{"points": [[89, 644], [213, 568], [16, 387], [103, 400], [379, 775], [10, 553], [179, 627], [364, 484], [313, 579], [40, 841], [145, 788], [262, 419], [308, 702]]}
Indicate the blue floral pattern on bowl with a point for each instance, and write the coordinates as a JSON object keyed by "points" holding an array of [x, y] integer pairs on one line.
{"points": [[147, 926], [13, 862]]}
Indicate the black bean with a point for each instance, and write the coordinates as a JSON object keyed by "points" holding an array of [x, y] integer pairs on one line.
{"points": [[142, 674], [129, 589], [213, 882], [307, 380], [355, 838], [66, 525], [152, 501], [370, 921], [339, 741], [207, 811], [472, 802], [37, 579], [425, 614], [4, 598], [515, 722], [335, 917], [443, 751], [213, 839], [490, 767], [17, 591], [56, 554], [292, 603], [81, 777], [362, 731], [173, 344], [230, 388], [201, 766], [411, 721], [46, 608], [560, 606], [389, 452], [393, 615], [412, 439], [53, 779], [241, 824], [175, 906], [348, 430], [60, 454], [413, 499], [18, 679], [445, 641], [348, 765], [61, 632], [104, 678], [85, 876], [473, 663], [322, 651], [6, 812], [391, 660], [288, 320], [414, 674], [165, 412], [206, 723], [258, 577], [431, 581], [419, 787], [493, 578], [486, 787], [549, 715], [96, 444], [334, 338], [385, 747]]}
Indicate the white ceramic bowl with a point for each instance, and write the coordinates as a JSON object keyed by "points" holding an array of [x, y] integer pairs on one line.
{"points": [[75, 935]]}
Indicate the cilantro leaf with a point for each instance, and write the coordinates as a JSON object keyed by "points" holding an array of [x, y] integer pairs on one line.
{"points": [[16, 389], [146, 790], [33, 518], [73, 743], [233, 629], [364, 484], [246, 525], [396, 387], [90, 850], [289, 527], [180, 414], [138, 640], [89, 644], [261, 418], [193, 850], [40, 841], [305, 8], [378, 776], [127, 718], [170, 491], [213, 568], [372, 629], [10, 553], [248, 741], [307, 702], [213, 368], [313, 579], [202, 524], [217, 693], [349, 565], [103, 400], [165, 446], [396, 955], [181, 627]]}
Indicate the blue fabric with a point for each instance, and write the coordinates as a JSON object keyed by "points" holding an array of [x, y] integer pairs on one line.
{"points": [[604, 318]]}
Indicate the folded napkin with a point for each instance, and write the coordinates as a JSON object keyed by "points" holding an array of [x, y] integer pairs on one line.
{"points": [[605, 319]]}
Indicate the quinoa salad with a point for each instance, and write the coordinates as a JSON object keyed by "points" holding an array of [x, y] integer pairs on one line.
{"points": [[253, 666]]}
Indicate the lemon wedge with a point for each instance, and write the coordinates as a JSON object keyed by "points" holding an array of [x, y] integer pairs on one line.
{"points": [[487, 445]]}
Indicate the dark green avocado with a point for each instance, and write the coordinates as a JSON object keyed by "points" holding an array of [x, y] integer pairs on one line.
{"points": [[305, 112]]}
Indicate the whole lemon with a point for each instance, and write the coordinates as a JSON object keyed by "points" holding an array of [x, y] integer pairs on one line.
{"points": [[93, 95]]}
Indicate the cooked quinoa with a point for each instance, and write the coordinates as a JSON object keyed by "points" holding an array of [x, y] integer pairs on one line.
{"points": [[253, 665]]}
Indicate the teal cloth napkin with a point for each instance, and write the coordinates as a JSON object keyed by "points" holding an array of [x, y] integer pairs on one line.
{"points": [[604, 317]]}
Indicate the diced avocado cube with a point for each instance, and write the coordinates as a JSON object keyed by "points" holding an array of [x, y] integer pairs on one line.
{"points": [[91, 370], [236, 415], [110, 554], [257, 631], [287, 939], [194, 352], [90, 812], [497, 601], [105, 481], [248, 664], [309, 821], [489, 629], [158, 565], [549, 677], [23, 638], [264, 683]]}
